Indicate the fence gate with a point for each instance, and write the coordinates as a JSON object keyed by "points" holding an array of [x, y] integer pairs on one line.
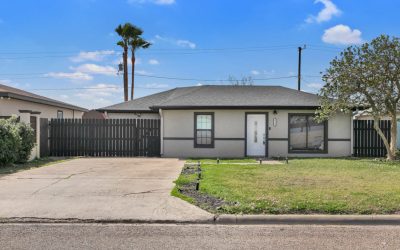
{"points": [[111, 137], [44, 137], [367, 142]]}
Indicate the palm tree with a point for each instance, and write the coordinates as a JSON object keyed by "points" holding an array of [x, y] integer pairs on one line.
{"points": [[135, 42], [124, 43]]}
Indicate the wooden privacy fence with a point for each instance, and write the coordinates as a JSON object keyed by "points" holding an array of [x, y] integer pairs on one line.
{"points": [[367, 142], [111, 137], [44, 137]]}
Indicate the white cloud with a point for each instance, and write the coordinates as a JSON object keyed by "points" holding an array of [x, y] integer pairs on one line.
{"points": [[142, 72], [178, 42], [158, 2], [255, 72], [186, 44], [90, 68], [269, 72], [330, 10], [154, 62], [71, 76], [315, 85], [84, 72], [100, 94], [95, 56], [5, 82], [65, 97], [157, 85], [342, 34]]}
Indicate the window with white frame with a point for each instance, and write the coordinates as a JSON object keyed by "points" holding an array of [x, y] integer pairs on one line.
{"points": [[204, 130]]}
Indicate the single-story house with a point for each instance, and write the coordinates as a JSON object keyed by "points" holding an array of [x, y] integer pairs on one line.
{"points": [[30, 108], [240, 121]]}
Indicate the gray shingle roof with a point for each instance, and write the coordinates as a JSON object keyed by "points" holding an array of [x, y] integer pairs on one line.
{"points": [[7, 91], [217, 96]]}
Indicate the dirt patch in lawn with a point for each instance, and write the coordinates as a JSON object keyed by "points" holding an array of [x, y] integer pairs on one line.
{"points": [[203, 200]]}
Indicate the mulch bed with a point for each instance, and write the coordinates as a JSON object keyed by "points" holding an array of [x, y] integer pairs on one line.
{"points": [[202, 200]]}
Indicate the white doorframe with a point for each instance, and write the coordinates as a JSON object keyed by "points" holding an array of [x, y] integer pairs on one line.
{"points": [[256, 134]]}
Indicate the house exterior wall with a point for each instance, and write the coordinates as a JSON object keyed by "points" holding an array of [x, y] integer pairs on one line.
{"points": [[9, 107], [12, 106], [133, 115], [229, 134]]}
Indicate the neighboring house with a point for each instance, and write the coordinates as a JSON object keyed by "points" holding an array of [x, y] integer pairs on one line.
{"points": [[93, 114], [239, 121], [30, 108]]}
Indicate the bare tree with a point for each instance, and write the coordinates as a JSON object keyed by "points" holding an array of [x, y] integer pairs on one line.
{"points": [[245, 80]]}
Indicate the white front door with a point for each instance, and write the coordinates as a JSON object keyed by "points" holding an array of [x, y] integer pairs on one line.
{"points": [[256, 135]]}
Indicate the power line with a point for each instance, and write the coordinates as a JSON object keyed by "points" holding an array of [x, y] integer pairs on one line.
{"points": [[152, 49], [44, 75], [94, 88], [64, 54], [150, 53]]}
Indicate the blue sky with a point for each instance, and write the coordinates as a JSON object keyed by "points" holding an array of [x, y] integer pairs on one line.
{"points": [[67, 49]]}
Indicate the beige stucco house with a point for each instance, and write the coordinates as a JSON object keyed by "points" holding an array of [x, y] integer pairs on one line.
{"points": [[240, 121], [30, 108]]}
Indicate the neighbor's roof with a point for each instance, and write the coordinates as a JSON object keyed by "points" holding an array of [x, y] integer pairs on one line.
{"points": [[7, 91], [216, 96]]}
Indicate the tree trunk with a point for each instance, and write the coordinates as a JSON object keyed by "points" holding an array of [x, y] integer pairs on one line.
{"points": [[125, 58], [133, 74], [390, 156], [393, 136]]}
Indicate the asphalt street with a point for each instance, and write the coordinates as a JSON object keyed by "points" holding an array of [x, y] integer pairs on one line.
{"points": [[168, 236]]}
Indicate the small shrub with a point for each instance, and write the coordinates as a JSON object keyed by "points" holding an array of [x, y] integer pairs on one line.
{"points": [[16, 141], [27, 135]]}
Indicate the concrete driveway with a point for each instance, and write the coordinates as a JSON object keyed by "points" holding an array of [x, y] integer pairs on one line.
{"points": [[99, 189]]}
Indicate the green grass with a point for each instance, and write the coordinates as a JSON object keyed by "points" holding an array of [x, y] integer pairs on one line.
{"points": [[10, 169], [332, 186], [182, 180], [223, 161]]}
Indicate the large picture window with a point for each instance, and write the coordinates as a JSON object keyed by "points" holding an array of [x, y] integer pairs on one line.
{"points": [[306, 135], [204, 130]]}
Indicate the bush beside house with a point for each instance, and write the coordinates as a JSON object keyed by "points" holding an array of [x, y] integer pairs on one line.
{"points": [[17, 140]]}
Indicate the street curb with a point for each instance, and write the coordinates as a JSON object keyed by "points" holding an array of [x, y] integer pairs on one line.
{"points": [[38, 220], [226, 219], [308, 219]]}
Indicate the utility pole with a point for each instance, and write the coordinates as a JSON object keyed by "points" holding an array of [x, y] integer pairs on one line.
{"points": [[299, 68]]}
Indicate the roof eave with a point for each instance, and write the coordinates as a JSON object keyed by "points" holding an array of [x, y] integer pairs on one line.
{"points": [[125, 111], [41, 101], [234, 107]]}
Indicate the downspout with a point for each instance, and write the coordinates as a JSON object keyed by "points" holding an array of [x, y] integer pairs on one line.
{"points": [[161, 132]]}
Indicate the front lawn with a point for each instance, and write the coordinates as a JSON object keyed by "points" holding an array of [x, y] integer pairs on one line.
{"points": [[334, 186], [13, 168], [223, 161]]}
